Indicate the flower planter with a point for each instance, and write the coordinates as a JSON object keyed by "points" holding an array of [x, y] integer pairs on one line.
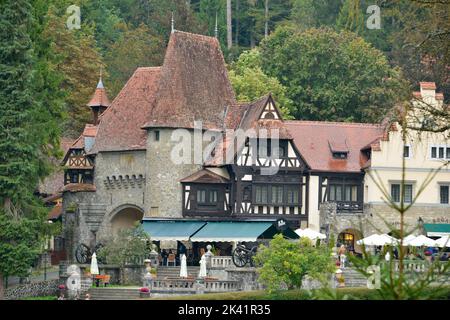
{"points": [[144, 295]]}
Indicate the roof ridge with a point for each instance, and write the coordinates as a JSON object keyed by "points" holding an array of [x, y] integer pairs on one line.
{"points": [[354, 124], [201, 36]]}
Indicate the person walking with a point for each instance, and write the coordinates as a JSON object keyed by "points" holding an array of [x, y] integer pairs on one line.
{"points": [[342, 256]]}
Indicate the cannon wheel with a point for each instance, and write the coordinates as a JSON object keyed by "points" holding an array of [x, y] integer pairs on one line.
{"points": [[82, 254], [239, 257]]}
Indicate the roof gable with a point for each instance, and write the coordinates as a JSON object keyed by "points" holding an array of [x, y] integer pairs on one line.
{"points": [[204, 176]]}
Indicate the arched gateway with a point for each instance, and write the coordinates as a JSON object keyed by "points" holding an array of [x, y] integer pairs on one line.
{"points": [[124, 217]]}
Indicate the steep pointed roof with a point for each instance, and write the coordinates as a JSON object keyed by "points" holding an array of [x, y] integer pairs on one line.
{"points": [[120, 125], [99, 99], [194, 84]]}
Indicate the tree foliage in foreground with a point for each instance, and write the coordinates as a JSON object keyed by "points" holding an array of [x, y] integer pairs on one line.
{"points": [[285, 263], [332, 76], [250, 82], [125, 246]]}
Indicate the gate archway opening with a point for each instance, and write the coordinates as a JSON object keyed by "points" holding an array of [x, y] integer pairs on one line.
{"points": [[348, 237], [126, 218]]}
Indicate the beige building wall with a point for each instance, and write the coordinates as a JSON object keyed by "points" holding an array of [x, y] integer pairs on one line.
{"points": [[314, 212], [386, 166]]}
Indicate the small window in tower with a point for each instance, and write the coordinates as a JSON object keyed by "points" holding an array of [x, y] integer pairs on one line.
{"points": [[157, 135]]}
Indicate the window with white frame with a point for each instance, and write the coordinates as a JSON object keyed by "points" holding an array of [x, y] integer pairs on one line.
{"points": [[440, 152], [407, 151]]}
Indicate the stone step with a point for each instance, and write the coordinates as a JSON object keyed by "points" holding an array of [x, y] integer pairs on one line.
{"points": [[114, 293]]}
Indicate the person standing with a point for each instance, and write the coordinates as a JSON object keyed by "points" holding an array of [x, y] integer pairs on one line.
{"points": [[342, 256]]}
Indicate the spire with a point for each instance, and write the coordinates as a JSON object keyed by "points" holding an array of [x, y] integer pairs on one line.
{"points": [[100, 82], [216, 29], [172, 24], [99, 101]]}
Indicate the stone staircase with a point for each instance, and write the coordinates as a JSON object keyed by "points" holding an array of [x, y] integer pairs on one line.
{"points": [[174, 272], [128, 293], [353, 278]]}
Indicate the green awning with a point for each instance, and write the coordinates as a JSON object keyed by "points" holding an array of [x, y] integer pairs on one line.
{"points": [[171, 230], [437, 229], [232, 231]]}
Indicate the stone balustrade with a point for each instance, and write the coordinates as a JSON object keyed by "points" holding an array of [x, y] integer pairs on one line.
{"points": [[193, 286], [222, 286], [221, 262], [417, 265]]}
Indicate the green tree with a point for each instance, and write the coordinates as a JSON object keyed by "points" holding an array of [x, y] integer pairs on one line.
{"points": [[125, 247], [19, 246], [307, 14], [285, 263], [331, 76], [25, 140], [250, 82], [135, 48], [79, 60]]}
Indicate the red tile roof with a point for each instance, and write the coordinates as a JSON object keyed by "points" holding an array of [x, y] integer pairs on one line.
{"points": [[427, 85], [194, 84], [120, 125], [205, 176], [99, 98], [55, 213], [439, 96], [312, 140], [79, 187]]}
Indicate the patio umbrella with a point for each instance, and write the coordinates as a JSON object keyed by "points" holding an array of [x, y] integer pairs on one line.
{"points": [[421, 241], [408, 238], [183, 269], [373, 240], [310, 234], [202, 273], [388, 239], [94, 265], [443, 242]]}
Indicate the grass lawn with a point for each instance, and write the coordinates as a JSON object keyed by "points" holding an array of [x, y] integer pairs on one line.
{"points": [[40, 298]]}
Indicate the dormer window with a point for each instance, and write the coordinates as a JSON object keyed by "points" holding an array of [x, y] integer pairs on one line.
{"points": [[340, 155], [339, 148]]}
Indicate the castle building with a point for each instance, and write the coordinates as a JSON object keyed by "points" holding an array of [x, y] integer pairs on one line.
{"points": [[145, 159]]}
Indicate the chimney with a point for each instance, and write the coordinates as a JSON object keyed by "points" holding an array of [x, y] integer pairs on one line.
{"points": [[428, 89]]}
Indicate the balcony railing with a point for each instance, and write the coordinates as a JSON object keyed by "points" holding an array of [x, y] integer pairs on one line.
{"points": [[348, 206]]}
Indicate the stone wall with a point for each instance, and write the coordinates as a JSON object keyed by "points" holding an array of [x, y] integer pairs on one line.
{"points": [[35, 289], [163, 187]]}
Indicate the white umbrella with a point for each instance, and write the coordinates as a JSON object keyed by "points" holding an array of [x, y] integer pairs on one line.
{"points": [[408, 238], [373, 240], [183, 269], [310, 234], [421, 241], [202, 273], [443, 242], [94, 265], [388, 239]]}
